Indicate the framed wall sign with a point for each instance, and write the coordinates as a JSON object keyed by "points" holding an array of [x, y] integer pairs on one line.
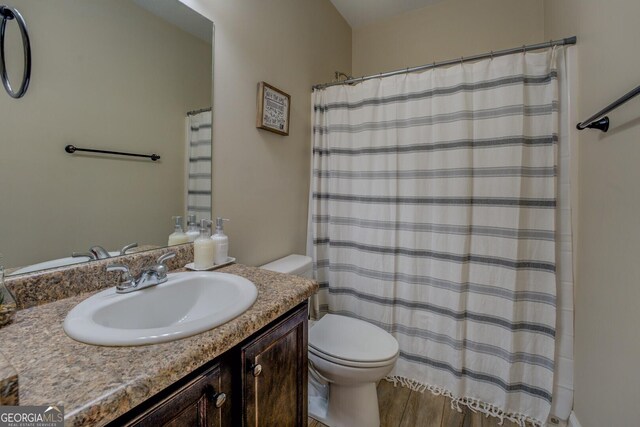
{"points": [[274, 107]]}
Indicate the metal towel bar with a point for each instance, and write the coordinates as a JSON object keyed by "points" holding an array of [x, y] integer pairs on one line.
{"points": [[597, 121], [72, 149]]}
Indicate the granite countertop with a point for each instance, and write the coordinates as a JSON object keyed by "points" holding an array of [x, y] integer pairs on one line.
{"points": [[8, 383], [97, 384]]}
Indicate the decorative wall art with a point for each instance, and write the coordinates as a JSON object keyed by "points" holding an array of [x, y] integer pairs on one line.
{"points": [[274, 108]]}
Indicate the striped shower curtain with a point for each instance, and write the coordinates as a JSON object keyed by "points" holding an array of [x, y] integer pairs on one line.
{"points": [[199, 179], [433, 216]]}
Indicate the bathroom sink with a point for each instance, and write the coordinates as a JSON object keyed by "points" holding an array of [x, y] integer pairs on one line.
{"points": [[185, 305]]}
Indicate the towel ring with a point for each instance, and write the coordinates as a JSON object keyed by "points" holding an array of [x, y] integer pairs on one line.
{"points": [[6, 14]]}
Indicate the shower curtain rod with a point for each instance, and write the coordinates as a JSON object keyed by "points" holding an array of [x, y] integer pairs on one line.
{"points": [[524, 48]]}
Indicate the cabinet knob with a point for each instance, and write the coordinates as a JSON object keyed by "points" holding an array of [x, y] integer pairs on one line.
{"points": [[220, 399], [257, 370]]}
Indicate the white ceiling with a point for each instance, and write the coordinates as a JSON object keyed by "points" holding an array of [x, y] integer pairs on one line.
{"points": [[181, 16], [363, 12]]}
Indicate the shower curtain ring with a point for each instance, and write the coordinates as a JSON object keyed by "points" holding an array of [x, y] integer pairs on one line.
{"points": [[461, 60], [492, 55], [524, 49]]}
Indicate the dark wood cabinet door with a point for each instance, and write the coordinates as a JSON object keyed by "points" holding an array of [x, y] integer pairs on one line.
{"points": [[274, 379], [202, 402]]}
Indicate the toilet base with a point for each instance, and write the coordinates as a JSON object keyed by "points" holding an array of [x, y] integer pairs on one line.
{"points": [[349, 406], [318, 398]]}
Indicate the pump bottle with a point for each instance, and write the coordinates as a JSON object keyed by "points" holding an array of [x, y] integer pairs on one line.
{"points": [[192, 228], [178, 236], [221, 242], [203, 248]]}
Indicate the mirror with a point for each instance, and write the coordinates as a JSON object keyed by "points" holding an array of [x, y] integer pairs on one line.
{"points": [[119, 75]]}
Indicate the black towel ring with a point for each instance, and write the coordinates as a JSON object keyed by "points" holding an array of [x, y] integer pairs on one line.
{"points": [[6, 14]]}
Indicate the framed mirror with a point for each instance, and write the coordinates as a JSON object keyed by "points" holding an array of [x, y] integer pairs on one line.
{"points": [[121, 75]]}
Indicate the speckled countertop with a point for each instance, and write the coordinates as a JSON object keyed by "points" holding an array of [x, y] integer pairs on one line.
{"points": [[8, 383], [97, 384]]}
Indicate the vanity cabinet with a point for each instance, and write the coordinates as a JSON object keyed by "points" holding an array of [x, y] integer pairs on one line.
{"points": [[202, 402], [274, 384], [260, 382]]}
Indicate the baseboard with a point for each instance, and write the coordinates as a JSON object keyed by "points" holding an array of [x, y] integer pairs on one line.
{"points": [[573, 420]]}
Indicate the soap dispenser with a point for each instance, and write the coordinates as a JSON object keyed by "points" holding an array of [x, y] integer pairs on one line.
{"points": [[192, 228], [204, 248], [178, 236], [221, 242]]}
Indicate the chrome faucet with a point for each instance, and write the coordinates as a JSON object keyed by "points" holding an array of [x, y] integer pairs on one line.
{"points": [[98, 252], [152, 276]]}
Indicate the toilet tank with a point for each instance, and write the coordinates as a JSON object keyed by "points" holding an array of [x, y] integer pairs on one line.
{"points": [[300, 265]]}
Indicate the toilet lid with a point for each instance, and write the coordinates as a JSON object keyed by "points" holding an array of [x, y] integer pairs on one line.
{"points": [[352, 339]]}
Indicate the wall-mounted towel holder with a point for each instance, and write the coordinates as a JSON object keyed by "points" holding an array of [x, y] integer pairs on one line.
{"points": [[597, 121], [72, 149], [7, 14]]}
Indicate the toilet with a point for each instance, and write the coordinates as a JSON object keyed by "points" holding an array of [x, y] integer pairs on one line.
{"points": [[347, 357]]}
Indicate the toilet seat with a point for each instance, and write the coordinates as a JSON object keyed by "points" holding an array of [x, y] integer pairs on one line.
{"points": [[351, 363], [352, 342]]}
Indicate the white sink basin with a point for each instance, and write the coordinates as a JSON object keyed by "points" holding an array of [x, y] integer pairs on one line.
{"points": [[185, 305]]}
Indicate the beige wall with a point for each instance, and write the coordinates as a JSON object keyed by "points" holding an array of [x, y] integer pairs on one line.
{"points": [[106, 75], [260, 179], [445, 30], [607, 336]]}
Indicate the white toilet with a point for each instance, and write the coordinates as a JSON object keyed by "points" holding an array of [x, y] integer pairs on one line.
{"points": [[347, 357]]}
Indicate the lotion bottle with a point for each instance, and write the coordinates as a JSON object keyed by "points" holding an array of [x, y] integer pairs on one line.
{"points": [[203, 248], [192, 228], [178, 236], [221, 242]]}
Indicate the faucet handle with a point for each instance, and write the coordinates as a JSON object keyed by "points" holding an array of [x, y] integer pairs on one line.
{"points": [[126, 279], [166, 257], [89, 255], [161, 268], [124, 250]]}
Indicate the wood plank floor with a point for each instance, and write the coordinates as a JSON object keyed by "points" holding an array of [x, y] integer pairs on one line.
{"points": [[401, 407]]}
